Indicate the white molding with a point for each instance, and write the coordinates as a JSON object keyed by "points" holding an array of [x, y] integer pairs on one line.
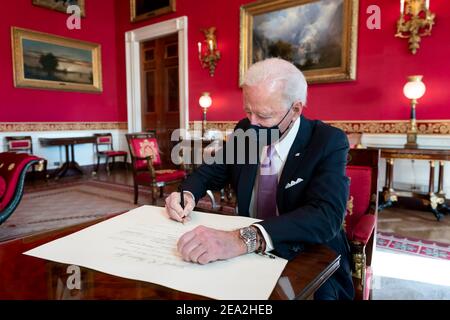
{"points": [[133, 62], [84, 153]]}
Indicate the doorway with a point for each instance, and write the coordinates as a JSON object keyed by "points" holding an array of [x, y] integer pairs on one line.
{"points": [[133, 41], [160, 111]]}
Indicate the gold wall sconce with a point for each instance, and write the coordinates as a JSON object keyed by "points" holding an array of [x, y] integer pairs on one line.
{"points": [[414, 89], [416, 21], [208, 53]]}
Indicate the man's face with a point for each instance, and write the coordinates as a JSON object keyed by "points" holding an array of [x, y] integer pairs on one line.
{"points": [[264, 105]]}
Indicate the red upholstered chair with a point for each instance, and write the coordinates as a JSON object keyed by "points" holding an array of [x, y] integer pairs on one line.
{"points": [[104, 149], [147, 166], [361, 219], [24, 144], [13, 168]]}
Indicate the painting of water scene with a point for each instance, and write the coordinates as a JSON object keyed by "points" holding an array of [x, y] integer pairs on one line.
{"points": [[47, 61]]}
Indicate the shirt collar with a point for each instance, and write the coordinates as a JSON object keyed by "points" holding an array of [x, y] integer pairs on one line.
{"points": [[283, 146]]}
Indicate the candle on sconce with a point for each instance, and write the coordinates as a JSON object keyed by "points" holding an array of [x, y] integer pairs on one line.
{"points": [[210, 45], [402, 6], [199, 47], [427, 4]]}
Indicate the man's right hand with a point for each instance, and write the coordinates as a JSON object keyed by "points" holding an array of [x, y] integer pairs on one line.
{"points": [[174, 209]]}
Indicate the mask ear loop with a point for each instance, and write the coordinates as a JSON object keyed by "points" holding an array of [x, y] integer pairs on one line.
{"points": [[291, 108]]}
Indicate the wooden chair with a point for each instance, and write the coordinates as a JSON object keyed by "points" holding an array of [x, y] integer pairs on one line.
{"points": [[24, 144], [105, 140], [362, 212], [147, 166], [13, 168]]}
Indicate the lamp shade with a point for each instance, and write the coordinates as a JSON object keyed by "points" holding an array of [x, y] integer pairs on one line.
{"points": [[205, 100], [414, 88]]}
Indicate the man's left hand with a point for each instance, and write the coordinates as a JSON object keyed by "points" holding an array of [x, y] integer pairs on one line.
{"points": [[203, 245]]}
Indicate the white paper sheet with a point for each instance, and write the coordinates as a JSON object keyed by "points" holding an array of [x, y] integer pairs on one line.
{"points": [[141, 245]]}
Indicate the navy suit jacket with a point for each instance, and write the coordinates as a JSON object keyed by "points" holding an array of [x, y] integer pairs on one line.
{"points": [[311, 211]]}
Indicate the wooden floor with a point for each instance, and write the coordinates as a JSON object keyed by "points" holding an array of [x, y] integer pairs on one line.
{"points": [[407, 218], [410, 219]]}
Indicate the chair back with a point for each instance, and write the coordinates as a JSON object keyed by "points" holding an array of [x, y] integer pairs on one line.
{"points": [[143, 145], [13, 168], [103, 139], [362, 170], [20, 144]]}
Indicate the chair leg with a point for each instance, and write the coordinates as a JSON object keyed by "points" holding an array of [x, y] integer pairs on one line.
{"points": [[154, 193], [136, 193], [113, 163], [161, 192], [46, 174], [107, 166], [98, 164], [125, 158]]}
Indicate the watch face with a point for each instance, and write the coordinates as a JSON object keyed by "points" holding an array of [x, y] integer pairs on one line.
{"points": [[248, 235]]}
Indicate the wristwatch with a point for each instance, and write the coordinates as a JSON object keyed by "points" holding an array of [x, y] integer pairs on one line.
{"points": [[248, 235]]}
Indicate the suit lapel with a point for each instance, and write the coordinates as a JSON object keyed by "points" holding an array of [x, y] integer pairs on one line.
{"points": [[292, 161]]}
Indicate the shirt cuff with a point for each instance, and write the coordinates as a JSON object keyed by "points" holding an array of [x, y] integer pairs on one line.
{"points": [[190, 193], [269, 244]]}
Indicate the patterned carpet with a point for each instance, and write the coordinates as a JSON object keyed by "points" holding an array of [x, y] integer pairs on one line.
{"points": [[72, 203], [419, 247], [63, 206]]}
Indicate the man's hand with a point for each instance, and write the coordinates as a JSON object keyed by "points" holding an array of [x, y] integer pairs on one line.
{"points": [[174, 209], [203, 245]]}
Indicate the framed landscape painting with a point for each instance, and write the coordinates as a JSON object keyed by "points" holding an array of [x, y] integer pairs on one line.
{"points": [[144, 9], [47, 61], [61, 5], [318, 36]]}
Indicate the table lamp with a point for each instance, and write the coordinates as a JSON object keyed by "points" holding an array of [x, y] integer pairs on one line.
{"points": [[205, 102], [414, 89]]}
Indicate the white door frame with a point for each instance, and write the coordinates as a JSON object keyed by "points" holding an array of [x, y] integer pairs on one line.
{"points": [[133, 63]]}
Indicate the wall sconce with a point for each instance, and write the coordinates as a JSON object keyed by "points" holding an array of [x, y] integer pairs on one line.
{"points": [[208, 54], [414, 89], [205, 102], [412, 24]]}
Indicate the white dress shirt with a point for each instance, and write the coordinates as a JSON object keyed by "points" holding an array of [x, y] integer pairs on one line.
{"points": [[281, 152]]}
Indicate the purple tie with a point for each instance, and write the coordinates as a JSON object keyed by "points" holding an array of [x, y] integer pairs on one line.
{"points": [[267, 187]]}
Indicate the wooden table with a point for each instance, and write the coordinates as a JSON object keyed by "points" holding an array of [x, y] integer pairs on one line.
{"points": [[70, 163], [25, 277], [435, 200]]}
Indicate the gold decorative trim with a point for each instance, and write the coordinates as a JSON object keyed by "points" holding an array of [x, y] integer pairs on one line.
{"points": [[374, 127], [60, 126], [392, 126]]}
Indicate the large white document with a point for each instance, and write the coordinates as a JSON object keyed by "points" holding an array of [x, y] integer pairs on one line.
{"points": [[142, 245]]}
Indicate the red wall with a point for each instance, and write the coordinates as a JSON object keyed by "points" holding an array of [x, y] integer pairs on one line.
{"points": [[384, 62], [29, 105]]}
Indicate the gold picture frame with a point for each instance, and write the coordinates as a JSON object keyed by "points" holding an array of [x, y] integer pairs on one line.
{"points": [[46, 61], [292, 29], [60, 6], [141, 10]]}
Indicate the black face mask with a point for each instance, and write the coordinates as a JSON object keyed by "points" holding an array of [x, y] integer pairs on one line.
{"points": [[269, 135]]}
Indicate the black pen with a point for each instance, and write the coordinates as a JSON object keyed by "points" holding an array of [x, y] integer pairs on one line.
{"points": [[182, 198], [182, 202]]}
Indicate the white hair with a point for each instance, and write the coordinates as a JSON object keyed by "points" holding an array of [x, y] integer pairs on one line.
{"points": [[274, 69]]}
